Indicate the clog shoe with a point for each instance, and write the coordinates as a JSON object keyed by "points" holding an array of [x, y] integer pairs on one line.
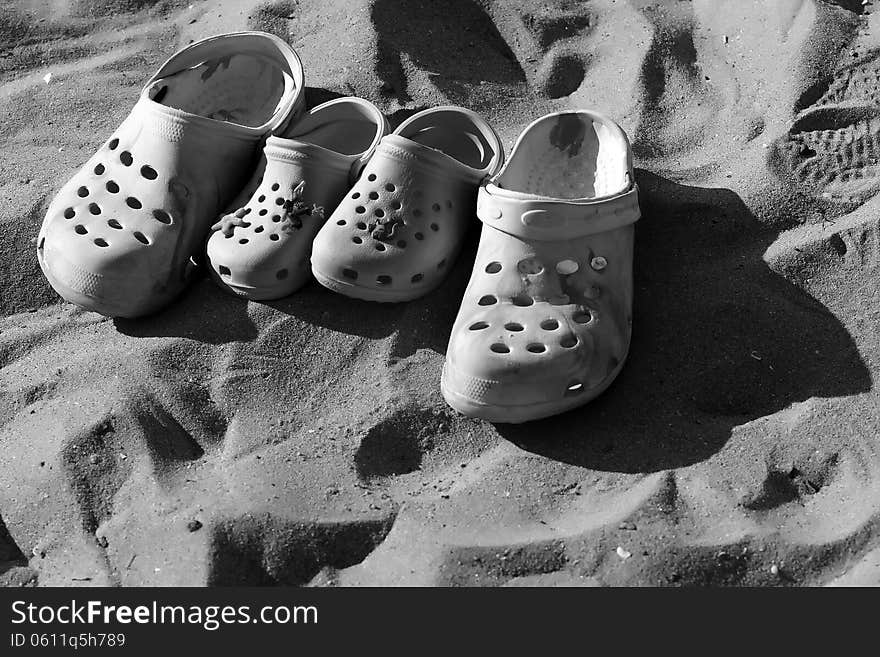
{"points": [[120, 236], [396, 234], [261, 250], [545, 321]]}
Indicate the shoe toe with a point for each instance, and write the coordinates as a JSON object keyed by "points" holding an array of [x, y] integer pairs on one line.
{"points": [[504, 355]]}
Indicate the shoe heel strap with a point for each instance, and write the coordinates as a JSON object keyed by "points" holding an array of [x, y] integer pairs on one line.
{"points": [[537, 218]]}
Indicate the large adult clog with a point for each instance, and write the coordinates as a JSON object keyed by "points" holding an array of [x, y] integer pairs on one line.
{"points": [[120, 236], [545, 322]]}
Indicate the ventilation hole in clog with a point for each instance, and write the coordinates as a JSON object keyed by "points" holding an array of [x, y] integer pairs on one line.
{"points": [[276, 218], [275, 187], [140, 237], [582, 317], [522, 300], [243, 240], [441, 264], [357, 240], [149, 172], [281, 274], [69, 213], [113, 144], [224, 270], [389, 187], [530, 266], [245, 224], [94, 208], [500, 348], [478, 326], [416, 278], [263, 212], [356, 195], [396, 205], [566, 267], [373, 196], [419, 236], [487, 300], [133, 203], [161, 216], [259, 229], [100, 241], [516, 327], [114, 224], [493, 268], [401, 244], [261, 198], [112, 187], [341, 222], [126, 158], [549, 325], [42, 243], [568, 341], [371, 177], [350, 273], [274, 237], [383, 279], [360, 209], [82, 192], [379, 212], [417, 213], [361, 225], [380, 246], [99, 169], [536, 348], [80, 229], [574, 388], [279, 201], [435, 227]]}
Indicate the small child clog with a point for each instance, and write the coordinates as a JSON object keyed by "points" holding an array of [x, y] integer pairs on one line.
{"points": [[119, 237], [545, 321], [396, 234], [261, 250]]}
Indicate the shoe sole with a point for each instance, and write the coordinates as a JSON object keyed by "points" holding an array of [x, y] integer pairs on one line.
{"points": [[259, 293], [501, 414], [367, 293]]}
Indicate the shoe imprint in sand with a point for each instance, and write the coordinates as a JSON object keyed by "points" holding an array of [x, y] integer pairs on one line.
{"points": [[397, 232], [545, 321], [831, 150], [261, 251], [120, 235]]}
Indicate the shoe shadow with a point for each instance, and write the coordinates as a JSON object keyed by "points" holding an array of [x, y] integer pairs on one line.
{"points": [[423, 323], [203, 312], [719, 340], [454, 42]]}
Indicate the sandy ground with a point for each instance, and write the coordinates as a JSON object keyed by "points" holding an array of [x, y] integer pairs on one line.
{"points": [[306, 441]]}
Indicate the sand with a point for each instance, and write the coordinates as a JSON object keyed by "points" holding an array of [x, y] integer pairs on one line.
{"points": [[305, 441]]}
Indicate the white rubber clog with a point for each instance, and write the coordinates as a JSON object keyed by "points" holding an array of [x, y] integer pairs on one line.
{"points": [[545, 322], [396, 234], [261, 250], [119, 237]]}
